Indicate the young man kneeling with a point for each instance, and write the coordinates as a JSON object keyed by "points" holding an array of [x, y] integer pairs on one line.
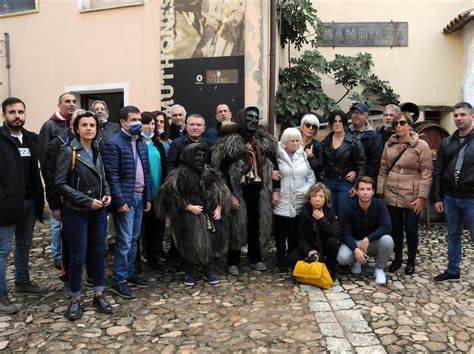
{"points": [[366, 229]]}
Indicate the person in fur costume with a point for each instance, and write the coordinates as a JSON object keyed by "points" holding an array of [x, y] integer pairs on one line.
{"points": [[197, 200], [247, 158]]}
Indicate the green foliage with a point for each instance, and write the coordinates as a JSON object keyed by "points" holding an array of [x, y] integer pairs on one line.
{"points": [[300, 84], [300, 88], [297, 17]]}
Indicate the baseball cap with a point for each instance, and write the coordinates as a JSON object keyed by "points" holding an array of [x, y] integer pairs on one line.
{"points": [[361, 107]]}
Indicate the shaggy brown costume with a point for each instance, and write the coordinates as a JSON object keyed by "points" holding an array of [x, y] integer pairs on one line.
{"points": [[185, 185], [229, 156]]}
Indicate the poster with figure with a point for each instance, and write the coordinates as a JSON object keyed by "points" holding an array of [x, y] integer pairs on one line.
{"points": [[208, 28], [17, 7], [202, 55]]}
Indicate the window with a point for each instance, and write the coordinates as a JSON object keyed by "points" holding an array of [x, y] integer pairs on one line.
{"points": [[17, 7]]}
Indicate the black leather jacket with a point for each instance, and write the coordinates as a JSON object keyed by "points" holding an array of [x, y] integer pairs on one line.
{"points": [[348, 157], [80, 184], [48, 168], [443, 174]]}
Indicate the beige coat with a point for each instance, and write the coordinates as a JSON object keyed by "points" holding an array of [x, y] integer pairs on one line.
{"points": [[410, 178]]}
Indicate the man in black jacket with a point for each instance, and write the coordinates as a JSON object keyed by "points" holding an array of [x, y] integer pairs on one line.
{"points": [[366, 229], [178, 124], [21, 199], [195, 127], [453, 180], [57, 124], [363, 131]]}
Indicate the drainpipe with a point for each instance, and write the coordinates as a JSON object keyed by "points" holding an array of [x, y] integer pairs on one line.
{"points": [[6, 43], [272, 84]]}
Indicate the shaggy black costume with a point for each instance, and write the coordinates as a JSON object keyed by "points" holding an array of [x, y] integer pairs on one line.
{"points": [[198, 238], [252, 222]]}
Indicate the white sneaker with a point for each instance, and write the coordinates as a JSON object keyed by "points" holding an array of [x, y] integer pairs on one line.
{"points": [[356, 268], [380, 277]]}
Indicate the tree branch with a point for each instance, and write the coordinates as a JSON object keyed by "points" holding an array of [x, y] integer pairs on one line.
{"points": [[344, 96]]}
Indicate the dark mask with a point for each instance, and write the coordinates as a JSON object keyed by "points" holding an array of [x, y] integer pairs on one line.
{"points": [[251, 121], [194, 156], [199, 159]]}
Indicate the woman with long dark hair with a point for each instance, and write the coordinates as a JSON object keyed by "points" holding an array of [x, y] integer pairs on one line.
{"points": [[80, 179], [162, 129], [343, 160]]}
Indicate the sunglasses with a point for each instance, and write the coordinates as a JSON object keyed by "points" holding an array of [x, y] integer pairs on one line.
{"points": [[311, 126], [400, 122]]}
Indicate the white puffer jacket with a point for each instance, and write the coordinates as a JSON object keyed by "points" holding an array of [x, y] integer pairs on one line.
{"points": [[297, 177]]}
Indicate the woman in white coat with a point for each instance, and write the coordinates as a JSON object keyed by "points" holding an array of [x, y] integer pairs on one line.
{"points": [[296, 178]]}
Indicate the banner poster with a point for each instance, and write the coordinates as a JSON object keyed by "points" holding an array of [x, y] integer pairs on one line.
{"points": [[202, 55]]}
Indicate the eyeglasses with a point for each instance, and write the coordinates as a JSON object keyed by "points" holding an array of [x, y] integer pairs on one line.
{"points": [[400, 122], [311, 126], [82, 114]]}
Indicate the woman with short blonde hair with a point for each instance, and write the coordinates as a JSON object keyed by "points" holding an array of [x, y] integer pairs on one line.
{"points": [[296, 178]]}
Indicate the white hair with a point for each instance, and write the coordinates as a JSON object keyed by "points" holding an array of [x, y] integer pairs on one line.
{"points": [[290, 134], [311, 119], [173, 107]]}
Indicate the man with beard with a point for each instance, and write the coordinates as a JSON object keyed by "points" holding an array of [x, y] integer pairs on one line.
{"points": [[196, 200], [107, 128], [21, 199], [385, 131], [247, 158]]}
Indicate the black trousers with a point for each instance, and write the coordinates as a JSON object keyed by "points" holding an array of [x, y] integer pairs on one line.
{"points": [[404, 219], [152, 234], [330, 247], [252, 199], [286, 231]]}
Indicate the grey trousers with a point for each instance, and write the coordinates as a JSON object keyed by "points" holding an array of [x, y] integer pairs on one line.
{"points": [[381, 249]]}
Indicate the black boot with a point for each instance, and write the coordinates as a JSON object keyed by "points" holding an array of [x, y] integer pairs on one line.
{"points": [[410, 268], [396, 265]]}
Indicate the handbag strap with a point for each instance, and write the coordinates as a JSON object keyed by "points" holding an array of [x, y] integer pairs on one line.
{"points": [[398, 158], [464, 143]]}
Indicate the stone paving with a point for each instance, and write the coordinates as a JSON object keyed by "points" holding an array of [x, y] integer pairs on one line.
{"points": [[255, 311]]}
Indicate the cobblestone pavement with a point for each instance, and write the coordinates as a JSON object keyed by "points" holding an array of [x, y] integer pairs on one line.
{"points": [[256, 311]]}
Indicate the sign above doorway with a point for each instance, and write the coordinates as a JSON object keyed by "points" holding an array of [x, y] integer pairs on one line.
{"points": [[365, 34]]}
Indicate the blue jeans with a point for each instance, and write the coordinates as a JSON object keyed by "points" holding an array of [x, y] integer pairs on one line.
{"points": [[23, 233], [85, 231], [340, 196], [128, 227], [457, 211], [55, 230]]}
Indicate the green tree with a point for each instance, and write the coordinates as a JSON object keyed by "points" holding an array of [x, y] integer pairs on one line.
{"points": [[300, 88]]}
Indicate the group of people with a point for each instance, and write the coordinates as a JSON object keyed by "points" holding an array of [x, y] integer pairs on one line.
{"points": [[222, 189]]}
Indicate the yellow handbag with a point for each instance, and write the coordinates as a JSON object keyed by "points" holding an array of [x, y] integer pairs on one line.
{"points": [[314, 273]]}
